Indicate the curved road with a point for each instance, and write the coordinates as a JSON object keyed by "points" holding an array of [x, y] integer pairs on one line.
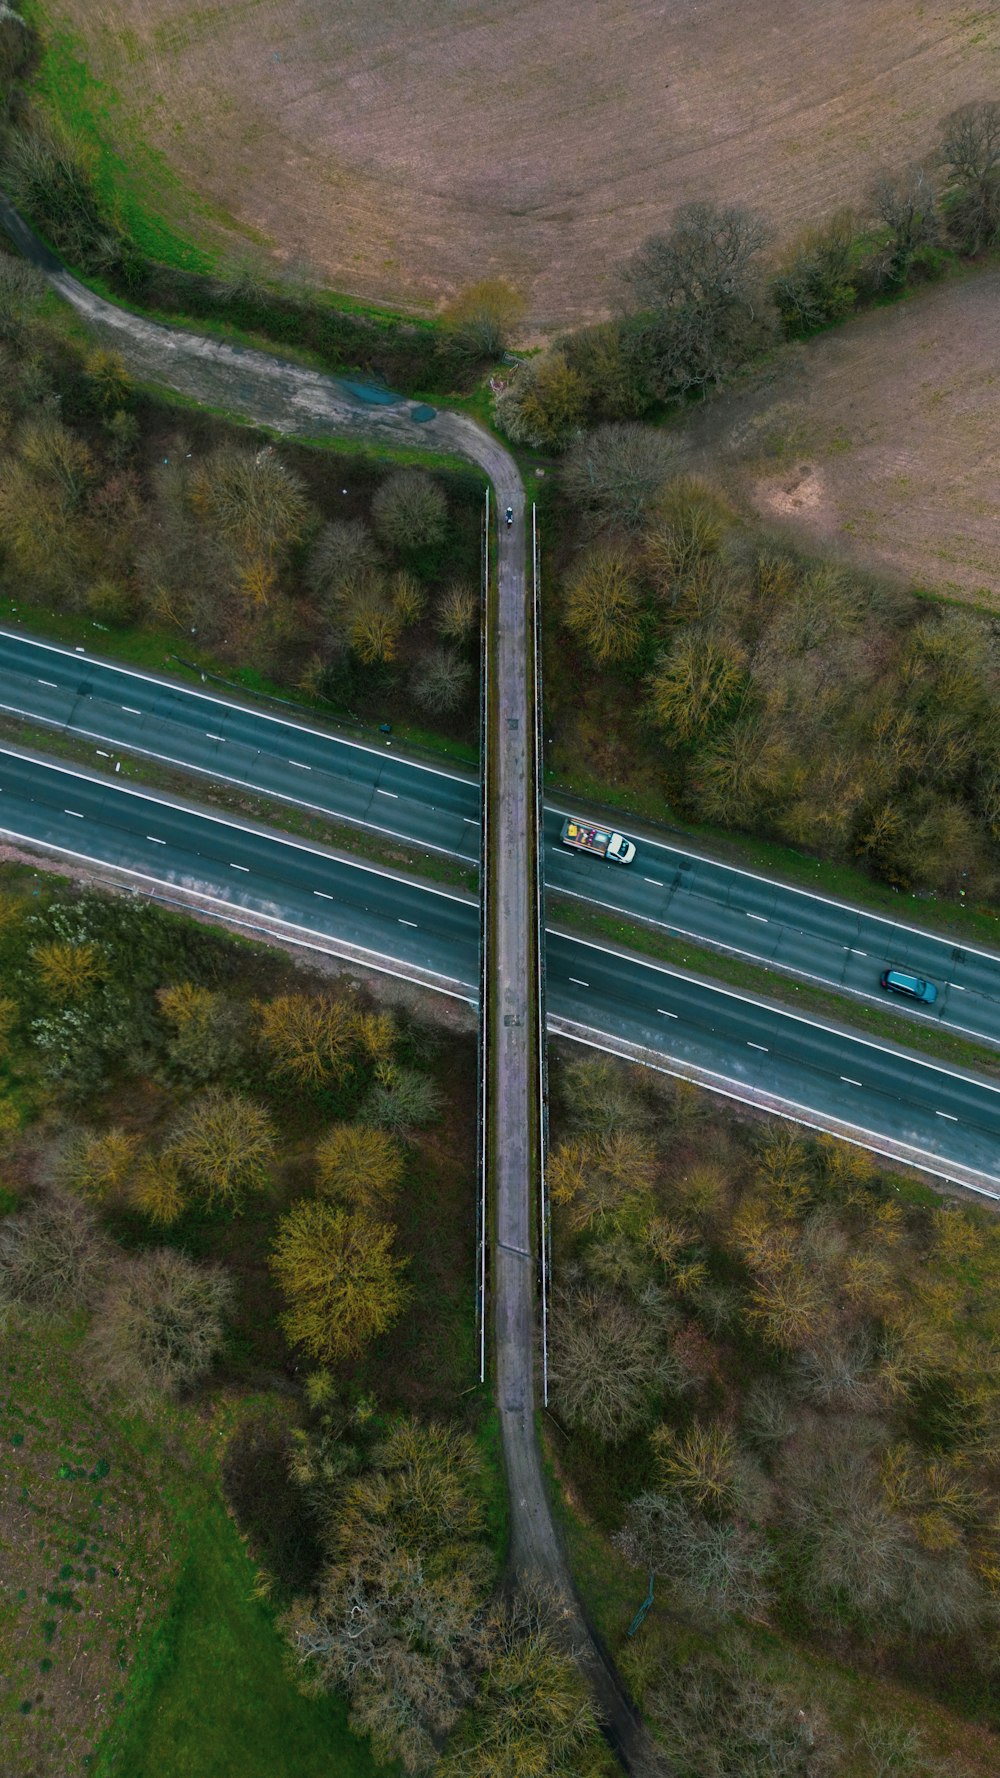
{"points": [[293, 400]]}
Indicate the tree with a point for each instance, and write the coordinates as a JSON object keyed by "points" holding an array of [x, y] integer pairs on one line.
{"points": [[343, 550], [254, 501], [308, 1038], [696, 684], [457, 616], [360, 1165], [720, 1569], [603, 604], [604, 1364], [700, 309], [160, 1325], [156, 1190], [226, 1143], [402, 1098], [615, 472], [907, 204], [689, 525], [970, 150], [813, 284], [374, 634], [544, 404], [533, 1712], [56, 455], [394, 1619], [700, 1465], [601, 1094], [605, 1181], [483, 317], [99, 1165], [53, 1257], [69, 971], [208, 1035], [719, 1716], [408, 599], [339, 1277], [441, 681], [410, 511]]}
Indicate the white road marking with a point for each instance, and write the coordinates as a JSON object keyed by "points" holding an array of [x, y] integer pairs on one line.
{"points": [[245, 867], [323, 894], [154, 841], [666, 1014], [849, 1082], [50, 683], [761, 917], [473, 820], [403, 922], [957, 987], [856, 953], [655, 882], [758, 1046], [299, 765], [575, 979], [948, 1115], [211, 737], [393, 793], [74, 812], [130, 711]]}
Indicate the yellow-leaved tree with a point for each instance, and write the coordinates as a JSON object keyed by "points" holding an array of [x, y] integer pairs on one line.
{"points": [[308, 1038], [339, 1277], [360, 1165]]}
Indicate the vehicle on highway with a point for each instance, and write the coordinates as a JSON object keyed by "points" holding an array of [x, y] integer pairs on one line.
{"points": [[600, 842], [914, 987]]}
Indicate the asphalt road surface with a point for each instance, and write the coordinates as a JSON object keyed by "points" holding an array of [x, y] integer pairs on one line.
{"points": [[950, 1116], [373, 786], [367, 784]]}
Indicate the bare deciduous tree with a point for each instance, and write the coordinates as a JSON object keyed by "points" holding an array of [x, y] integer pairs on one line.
{"points": [[53, 1257], [970, 150], [615, 471], [410, 511], [604, 1364], [160, 1325]]}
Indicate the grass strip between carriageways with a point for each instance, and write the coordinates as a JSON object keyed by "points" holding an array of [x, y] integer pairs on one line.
{"points": [[770, 984]]}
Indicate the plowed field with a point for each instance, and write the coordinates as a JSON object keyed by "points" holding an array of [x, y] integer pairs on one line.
{"points": [[403, 148]]}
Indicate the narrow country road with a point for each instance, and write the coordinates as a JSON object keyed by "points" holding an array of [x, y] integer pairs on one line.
{"points": [[295, 400]]}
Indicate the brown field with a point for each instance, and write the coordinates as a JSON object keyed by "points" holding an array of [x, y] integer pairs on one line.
{"points": [[881, 438], [403, 148]]}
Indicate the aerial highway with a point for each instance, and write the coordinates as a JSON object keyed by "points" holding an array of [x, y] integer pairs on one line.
{"points": [[826, 1071], [372, 785]]}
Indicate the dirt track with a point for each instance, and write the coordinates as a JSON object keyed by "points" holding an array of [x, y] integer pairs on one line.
{"points": [[404, 148], [881, 439]]}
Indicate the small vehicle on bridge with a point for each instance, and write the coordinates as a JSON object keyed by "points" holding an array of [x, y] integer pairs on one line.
{"points": [[600, 842], [509, 515]]}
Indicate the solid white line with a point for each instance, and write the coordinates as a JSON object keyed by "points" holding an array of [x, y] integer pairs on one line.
{"points": [[267, 834], [323, 894], [758, 1046], [791, 889], [948, 1115], [245, 867], [795, 1113], [154, 841], [797, 1018], [849, 1082], [666, 1014], [578, 983], [208, 697]]}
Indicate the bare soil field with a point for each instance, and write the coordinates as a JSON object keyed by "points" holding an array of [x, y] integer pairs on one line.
{"points": [[881, 438], [403, 148]]}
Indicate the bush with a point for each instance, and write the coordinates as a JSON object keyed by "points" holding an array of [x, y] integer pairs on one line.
{"points": [[544, 404], [160, 1325], [53, 1258], [813, 286], [403, 1098], [360, 1165], [604, 1364]]}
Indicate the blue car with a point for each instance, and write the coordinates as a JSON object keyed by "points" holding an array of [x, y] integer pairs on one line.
{"points": [[898, 981]]}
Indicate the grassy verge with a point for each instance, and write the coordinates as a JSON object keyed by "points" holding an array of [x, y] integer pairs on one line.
{"points": [[201, 788], [756, 978]]}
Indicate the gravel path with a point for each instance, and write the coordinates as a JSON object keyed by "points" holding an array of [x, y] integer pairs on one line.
{"points": [[297, 401]]}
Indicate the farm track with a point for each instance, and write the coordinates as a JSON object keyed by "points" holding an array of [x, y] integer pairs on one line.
{"points": [[297, 401]]}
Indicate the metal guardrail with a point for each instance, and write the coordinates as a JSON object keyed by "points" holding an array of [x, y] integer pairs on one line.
{"points": [[544, 1218], [483, 1082]]}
